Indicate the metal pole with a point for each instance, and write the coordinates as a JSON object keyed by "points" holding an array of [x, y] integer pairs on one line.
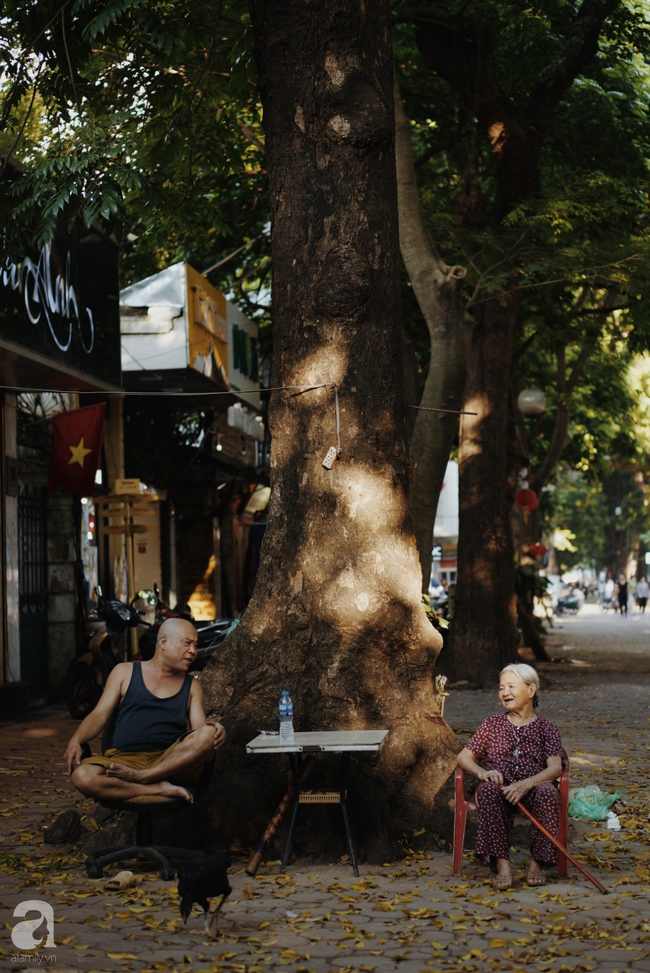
{"points": [[130, 574]]}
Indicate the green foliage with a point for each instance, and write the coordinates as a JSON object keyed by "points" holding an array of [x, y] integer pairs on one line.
{"points": [[138, 104], [588, 223], [587, 509], [577, 250], [437, 619]]}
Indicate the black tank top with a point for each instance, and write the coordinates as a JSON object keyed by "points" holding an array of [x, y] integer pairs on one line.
{"points": [[147, 722]]}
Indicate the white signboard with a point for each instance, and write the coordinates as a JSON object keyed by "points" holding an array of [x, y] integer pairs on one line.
{"points": [[446, 526]]}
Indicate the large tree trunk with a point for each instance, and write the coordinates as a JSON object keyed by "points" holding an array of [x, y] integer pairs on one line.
{"points": [[439, 292], [336, 615], [483, 637], [461, 49]]}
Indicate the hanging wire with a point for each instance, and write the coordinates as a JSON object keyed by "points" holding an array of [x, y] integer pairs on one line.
{"points": [[122, 393], [451, 412], [338, 421]]}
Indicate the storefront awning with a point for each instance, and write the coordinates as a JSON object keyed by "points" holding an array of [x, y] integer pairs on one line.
{"points": [[179, 333]]}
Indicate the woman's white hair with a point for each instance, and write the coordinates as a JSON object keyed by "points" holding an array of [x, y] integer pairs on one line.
{"points": [[527, 673]]}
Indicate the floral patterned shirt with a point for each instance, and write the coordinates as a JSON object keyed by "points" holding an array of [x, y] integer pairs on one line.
{"points": [[516, 751]]}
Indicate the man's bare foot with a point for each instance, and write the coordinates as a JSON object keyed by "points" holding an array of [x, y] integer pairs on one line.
{"points": [[127, 773], [172, 790]]}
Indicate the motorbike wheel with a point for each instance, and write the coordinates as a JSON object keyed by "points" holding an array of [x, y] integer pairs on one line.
{"points": [[82, 690]]}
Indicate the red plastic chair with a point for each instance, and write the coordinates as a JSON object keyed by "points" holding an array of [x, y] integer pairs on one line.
{"points": [[465, 804]]}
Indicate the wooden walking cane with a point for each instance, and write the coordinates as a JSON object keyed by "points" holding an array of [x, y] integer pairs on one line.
{"points": [[560, 847], [275, 822]]}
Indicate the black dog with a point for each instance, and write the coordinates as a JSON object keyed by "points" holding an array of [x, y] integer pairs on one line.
{"points": [[201, 879]]}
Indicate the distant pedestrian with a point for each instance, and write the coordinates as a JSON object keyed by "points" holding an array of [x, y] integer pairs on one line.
{"points": [[622, 594], [642, 592]]}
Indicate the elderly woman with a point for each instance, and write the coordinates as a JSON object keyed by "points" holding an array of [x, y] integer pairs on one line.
{"points": [[523, 759]]}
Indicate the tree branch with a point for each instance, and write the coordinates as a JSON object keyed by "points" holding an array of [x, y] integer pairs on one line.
{"points": [[429, 153], [251, 136], [561, 280], [580, 363], [419, 252], [8, 98], [459, 50], [7, 158], [71, 72], [511, 253], [581, 48]]}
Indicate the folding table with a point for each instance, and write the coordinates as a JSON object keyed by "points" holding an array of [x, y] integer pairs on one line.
{"points": [[344, 742]]}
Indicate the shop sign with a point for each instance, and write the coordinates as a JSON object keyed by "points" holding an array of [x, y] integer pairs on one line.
{"points": [[62, 302], [127, 486], [206, 328]]}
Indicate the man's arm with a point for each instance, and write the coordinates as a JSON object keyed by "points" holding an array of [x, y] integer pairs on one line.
{"points": [[197, 717], [95, 722]]}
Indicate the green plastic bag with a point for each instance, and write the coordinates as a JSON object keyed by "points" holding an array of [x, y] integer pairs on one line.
{"points": [[591, 803]]}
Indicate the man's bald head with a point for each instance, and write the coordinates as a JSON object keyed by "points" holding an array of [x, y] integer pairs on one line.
{"points": [[177, 643], [176, 628]]}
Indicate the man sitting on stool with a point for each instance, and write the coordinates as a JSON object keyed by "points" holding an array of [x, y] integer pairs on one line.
{"points": [[152, 702]]}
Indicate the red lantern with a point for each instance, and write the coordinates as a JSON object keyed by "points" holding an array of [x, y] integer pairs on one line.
{"points": [[527, 500], [537, 550]]}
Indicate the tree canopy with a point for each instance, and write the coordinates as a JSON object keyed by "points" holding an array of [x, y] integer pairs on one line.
{"points": [[531, 135]]}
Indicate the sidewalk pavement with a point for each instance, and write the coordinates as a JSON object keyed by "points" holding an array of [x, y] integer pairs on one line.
{"points": [[406, 916]]}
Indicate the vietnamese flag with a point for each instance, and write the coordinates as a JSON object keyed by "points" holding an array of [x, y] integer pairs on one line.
{"points": [[76, 448]]}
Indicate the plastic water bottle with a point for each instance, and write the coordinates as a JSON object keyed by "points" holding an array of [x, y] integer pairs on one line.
{"points": [[285, 710]]}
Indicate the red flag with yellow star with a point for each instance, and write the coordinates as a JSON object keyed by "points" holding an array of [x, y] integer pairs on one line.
{"points": [[76, 449]]}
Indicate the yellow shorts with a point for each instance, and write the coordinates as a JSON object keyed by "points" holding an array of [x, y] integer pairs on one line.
{"points": [[145, 759]]}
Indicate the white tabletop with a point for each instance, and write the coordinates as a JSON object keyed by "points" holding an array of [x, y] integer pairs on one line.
{"points": [[332, 741]]}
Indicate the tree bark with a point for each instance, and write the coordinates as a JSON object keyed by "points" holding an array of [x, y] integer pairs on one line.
{"points": [[483, 637], [336, 614], [439, 292]]}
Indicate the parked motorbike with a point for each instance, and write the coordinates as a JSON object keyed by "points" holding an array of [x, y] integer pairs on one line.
{"points": [[211, 633], [99, 653], [569, 602]]}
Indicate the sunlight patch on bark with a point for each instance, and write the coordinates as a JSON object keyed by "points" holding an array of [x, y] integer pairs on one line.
{"points": [[325, 364], [473, 442], [349, 595], [496, 135], [339, 125], [365, 495], [336, 74]]}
